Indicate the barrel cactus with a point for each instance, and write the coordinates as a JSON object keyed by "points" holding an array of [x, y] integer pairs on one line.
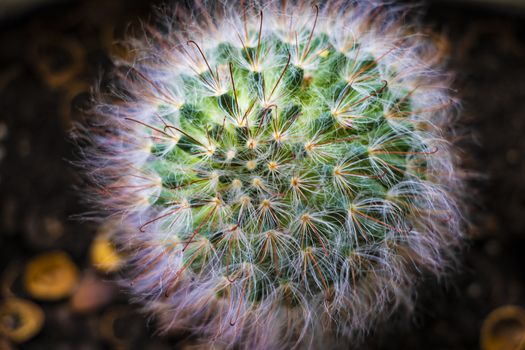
{"points": [[279, 173]]}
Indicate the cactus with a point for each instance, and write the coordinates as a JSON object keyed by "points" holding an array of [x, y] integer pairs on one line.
{"points": [[279, 173]]}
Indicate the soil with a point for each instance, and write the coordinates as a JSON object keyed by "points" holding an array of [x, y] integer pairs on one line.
{"points": [[49, 58]]}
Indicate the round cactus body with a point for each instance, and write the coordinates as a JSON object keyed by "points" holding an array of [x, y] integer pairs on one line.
{"points": [[279, 173]]}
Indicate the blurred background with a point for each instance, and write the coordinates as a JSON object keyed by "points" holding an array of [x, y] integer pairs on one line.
{"points": [[56, 272]]}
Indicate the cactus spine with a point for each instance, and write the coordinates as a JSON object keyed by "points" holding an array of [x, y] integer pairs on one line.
{"points": [[279, 171]]}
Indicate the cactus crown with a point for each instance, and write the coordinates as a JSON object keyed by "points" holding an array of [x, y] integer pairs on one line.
{"points": [[278, 154], [270, 162]]}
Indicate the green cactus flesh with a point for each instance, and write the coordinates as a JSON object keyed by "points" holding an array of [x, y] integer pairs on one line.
{"points": [[301, 161]]}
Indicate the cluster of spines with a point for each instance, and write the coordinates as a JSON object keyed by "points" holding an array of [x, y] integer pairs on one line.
{"points": [[278, 168]]}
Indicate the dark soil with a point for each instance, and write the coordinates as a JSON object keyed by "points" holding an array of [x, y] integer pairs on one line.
{"points": [[38, 199]]}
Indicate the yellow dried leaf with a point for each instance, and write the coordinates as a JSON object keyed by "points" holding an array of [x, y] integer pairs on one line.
{"points": [[103, 254], [504, 328], [50, 276], [20, 319]]}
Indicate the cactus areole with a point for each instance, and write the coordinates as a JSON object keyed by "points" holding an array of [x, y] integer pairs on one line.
{"points": [[279, 173]]}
